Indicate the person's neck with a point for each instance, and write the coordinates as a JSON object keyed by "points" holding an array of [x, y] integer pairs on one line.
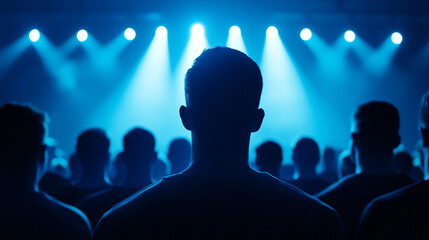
{"points": [[91, 181], [18, 183], [375, 163], [220, 158]]}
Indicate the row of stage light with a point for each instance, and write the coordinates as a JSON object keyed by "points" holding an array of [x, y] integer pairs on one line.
{"points": [[130, 34]]}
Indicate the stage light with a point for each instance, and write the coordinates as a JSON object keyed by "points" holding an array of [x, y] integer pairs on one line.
{"points": [[396, 38], [349, 36], [82, 35], [161, 30], [34, 35], [197, 29], [272, 31], [234, 30], [305, 34], [129, 34]]}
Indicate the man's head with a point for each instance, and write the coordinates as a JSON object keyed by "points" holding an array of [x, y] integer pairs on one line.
{"points": [[424, 119], [222, 90], [179, 154], [22, 137], [269, 157], [306, 154], [139, 147], [92, 149], [376, 127]]}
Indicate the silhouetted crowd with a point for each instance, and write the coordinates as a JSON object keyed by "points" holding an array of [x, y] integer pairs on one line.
{"points": [[206, 189]]}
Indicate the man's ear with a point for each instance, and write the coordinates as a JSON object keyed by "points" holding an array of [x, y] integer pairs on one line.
{"points": [[397, 141], [185, 116], [257, 121], [425, 136]]}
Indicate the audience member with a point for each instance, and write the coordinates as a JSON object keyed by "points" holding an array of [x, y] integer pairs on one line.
{"points": [[27, 213], [306, 156], [287, 172], [179, 155], [346, 164], [375, 135], [92, 151], [138, 156], [404, 163], [403, 214], [219, 196], [330, 163], [159, 170], [269, 157]]}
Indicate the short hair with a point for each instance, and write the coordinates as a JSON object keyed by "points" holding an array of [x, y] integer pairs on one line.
{"points": [[377, 121], [23, 129], [92, 143], [139, 140], [269, 155], [306, 152], [180, 147], [222, 77], [424, 111]]}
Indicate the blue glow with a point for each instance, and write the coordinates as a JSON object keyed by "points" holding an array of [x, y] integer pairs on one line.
{"points": [[272, 31], [235, 39], [10, 53], [129, 34], [82, 35], [161, 31], [198, 29], [396, 38], [305, 34], [34, 35], [349, 36]]}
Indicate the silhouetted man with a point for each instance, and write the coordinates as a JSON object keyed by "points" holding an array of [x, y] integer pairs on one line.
{"points": [[403, 214], [375, 135], [330, 160], [306, 156], [269, 156], [138, 156], [92, 151], [25, 212], [179, 155], [219, 196]]}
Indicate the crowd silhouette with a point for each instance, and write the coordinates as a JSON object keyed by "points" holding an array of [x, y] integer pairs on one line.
{"points": [[206, 189]]}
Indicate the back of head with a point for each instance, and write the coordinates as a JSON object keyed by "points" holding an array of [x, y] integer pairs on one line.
{"points": [[223, 89], [306, 154], [92, 148], [139, 145], [330, 159], [269, 156], [377, 126], [179, 153], [22, 135]]}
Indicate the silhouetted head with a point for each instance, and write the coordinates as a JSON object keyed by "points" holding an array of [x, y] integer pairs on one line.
{"points": [[139, 148], [376, 127], [403, 162], [179, 154], [92, 150], [22, 138], [222, 90], [424, 119], [269, 157], [329, 159], [306, 155], [346, 165]]}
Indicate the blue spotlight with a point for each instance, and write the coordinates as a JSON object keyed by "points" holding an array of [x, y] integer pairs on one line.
{"points": [[272, 31], [162, 31], [305, 34], [34, 35], [349, 36], [198, 29], [396, 38], [82, 35], [129, 34], [235, 30]]}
